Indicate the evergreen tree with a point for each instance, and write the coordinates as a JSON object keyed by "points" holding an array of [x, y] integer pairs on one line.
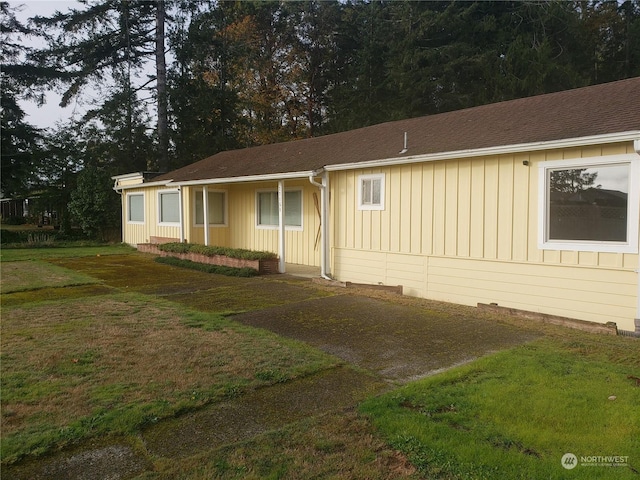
{"points": [[19, 140], [94, 205], [109, 43]]}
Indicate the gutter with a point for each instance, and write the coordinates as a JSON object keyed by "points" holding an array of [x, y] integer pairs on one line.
{"points": [[215, 181], [497, 150], [248, 178], [324, 220], [142, 185]]}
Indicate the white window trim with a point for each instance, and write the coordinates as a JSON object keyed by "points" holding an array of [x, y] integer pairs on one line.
{"points": [[128, 212], [226, 208], [169, 224], [372, 176], [293, 228], [633, 209]]}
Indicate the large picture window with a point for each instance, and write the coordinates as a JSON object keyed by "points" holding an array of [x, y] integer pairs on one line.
{"points": [[371, 192], [590, 204], [169, 207], [217, 207], [267, 208], [135, 208]]}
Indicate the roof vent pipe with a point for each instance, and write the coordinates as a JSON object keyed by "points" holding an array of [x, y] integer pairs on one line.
{"points": [[405, 148]]}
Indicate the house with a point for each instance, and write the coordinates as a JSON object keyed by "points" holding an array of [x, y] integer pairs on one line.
{"points": [[13, 208], [531, 204]]}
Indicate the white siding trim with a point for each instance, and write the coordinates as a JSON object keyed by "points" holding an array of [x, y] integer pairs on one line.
{"points": [[169, 224], [128, 208], [372, 177], [633, 211], [294, 228]]}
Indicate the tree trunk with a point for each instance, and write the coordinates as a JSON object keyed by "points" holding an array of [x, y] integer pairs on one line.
{"points": [[161, 76]]}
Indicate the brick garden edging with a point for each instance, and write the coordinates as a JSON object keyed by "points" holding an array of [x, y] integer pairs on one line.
{"points": [[262, 266]]}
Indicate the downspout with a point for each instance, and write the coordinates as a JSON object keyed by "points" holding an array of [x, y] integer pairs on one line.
{"points": [[636, 147], [281, 229], [324, 221], [122, 207]]}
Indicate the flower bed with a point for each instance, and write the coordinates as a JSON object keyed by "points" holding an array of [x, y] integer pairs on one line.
{"points": [[263, 265]]}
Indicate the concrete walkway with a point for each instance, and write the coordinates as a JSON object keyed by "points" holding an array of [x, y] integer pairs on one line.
{"points": [[396, 342]]}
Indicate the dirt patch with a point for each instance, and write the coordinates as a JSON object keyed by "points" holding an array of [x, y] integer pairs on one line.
{"points": [[398, 342]]}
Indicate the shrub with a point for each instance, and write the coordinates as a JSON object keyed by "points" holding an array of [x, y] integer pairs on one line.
{"points": [[204, 267], [211, 251], [28, 238], [13, 220]]}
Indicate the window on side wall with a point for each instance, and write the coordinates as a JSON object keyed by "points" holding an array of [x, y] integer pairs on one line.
{"points": [[267, 209], [589, 204], [169, 207], [217, 207], [371, 192], [135, 208]]}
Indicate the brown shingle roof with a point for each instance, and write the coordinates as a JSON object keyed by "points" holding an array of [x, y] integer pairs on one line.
{"points": [[596, 110]]}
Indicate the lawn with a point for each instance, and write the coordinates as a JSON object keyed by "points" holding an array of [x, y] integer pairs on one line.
{"points": [[17, 254], [34, 275], [88, 352], [517, 413], [87, 366]]}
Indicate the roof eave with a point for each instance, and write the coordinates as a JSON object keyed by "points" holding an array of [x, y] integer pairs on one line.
{"points": [[243, 179], [633, 135], [160, 183]]}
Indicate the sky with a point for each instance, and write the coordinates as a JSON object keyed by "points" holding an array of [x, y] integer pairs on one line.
{"points": [[47, 115]]}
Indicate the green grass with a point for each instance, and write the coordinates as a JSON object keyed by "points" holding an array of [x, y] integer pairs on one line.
{"points": [[33, 275], [516, 413], [110, 364], [20, 254]]}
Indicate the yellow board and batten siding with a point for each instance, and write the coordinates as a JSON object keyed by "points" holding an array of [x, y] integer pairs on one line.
{"points": [[135, 233], [466, 231], [244, 232], [241, 230]]}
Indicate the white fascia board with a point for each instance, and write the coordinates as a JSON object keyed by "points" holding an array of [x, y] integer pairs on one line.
{"points": [[145, 184], [248, 178], [498, 150], [126, 176]]}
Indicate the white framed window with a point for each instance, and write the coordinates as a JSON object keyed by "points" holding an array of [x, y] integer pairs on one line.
{"points": [[371, 192], [169, 207], [217, 200], [589, 204], [135, 208], [267, 209]]}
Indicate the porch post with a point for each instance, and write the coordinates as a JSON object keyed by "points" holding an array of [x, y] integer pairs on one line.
{"points": [[281, 224], [181, 214], [205, 211]]}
